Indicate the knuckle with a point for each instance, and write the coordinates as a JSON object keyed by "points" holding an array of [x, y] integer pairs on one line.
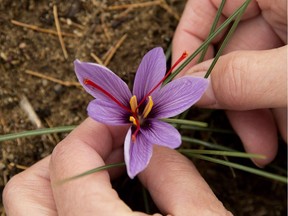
{"points": [[61, 151], [58, 152], [231, 83]]}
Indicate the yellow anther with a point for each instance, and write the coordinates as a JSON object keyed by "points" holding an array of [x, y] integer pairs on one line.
{"points": [[133, 103], [133, 120], [148, 107]]}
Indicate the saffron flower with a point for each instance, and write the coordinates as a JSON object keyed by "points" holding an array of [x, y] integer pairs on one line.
{"points": [[142, 108]]}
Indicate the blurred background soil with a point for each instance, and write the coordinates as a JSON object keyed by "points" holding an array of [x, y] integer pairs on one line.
{"points": [[35, 71]]}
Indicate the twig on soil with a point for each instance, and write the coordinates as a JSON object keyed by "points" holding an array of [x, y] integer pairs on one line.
{"points": [[29, 110], [107, 53], [52, 79], [39, 29], [113, 49], [18, 166], [59, 31], [104, 26], [97, 59], [136, 5], [3, 123], [70, 22], [166, 7], [161, 3], [55, 136], [32, 115], [124, 13]]}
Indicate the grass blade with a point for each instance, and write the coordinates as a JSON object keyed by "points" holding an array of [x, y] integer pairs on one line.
{"points": [[36, 132], [206, 144], [186, 122], [221, 153], [146, 201], [255, 171], [213, 27], [216, 130], [207, 41], [98, 169], [226, 40]]}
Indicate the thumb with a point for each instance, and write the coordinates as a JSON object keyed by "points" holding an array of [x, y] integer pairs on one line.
{"points": [[244, 80]]}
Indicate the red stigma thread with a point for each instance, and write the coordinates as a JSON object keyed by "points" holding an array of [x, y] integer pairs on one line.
{"points": [[137, 128], [94, 85], [182, 57]]}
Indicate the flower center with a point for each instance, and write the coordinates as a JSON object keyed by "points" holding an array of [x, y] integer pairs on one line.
{"points": [[137, 118]]}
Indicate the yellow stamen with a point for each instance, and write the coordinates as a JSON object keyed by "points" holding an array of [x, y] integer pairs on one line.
{"points": [[133, 103], [133, 120], [148, 107]]}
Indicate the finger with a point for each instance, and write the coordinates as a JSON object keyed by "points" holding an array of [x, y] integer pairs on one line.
{"points": [[116, 156], [173, 181], [275, 13], [29, 192], [196, 21], [245, 80], [247, 34], [85, 148], [193, 28], [231, 6], [258, 133]]}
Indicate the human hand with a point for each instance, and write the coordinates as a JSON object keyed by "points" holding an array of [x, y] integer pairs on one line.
{"points": [[249, 84], [171, 179]]}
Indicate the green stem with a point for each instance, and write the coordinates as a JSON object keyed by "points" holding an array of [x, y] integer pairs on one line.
{"points": [[225, 41], [168, 52], [207, 41], [216, 130], [242, 167], [36, 132], [145, 198], [213, 27], [206, 144], [221, 153], [98, 169], [186, 122]]}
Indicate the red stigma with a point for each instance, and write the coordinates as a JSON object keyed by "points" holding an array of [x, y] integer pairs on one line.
{"points": [[94, 85], [137, 128], [182, 57]]}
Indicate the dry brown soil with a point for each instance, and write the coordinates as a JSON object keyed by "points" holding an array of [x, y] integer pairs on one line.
{"points": [[95, 29]]}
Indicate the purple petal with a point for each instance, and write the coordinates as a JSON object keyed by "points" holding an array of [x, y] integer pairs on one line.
{"points": [[177, 96], [107, 112], [161, 133], [137, 154], [104, 78], [150, 72]]}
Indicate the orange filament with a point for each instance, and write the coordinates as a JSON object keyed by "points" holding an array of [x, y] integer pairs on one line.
{"points": [[135, 118]]}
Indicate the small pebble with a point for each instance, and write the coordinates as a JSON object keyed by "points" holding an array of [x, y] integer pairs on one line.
{"points": [[22, 45]]}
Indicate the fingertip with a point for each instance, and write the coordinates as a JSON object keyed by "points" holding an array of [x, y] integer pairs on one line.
{"points": [[257, 131], [193, 29]]}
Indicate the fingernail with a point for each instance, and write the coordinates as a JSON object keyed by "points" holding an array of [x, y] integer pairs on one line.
{"points": [[257, 164]]}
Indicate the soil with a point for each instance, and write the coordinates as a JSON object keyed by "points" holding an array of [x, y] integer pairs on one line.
{"points": [[95, 29]]}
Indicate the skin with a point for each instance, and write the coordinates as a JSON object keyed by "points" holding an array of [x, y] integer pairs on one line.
{"points": [[169, 175], [250, 80], [36, 192]]}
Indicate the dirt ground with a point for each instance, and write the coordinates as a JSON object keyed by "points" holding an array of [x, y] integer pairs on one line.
{"points": [[94, 27]]}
